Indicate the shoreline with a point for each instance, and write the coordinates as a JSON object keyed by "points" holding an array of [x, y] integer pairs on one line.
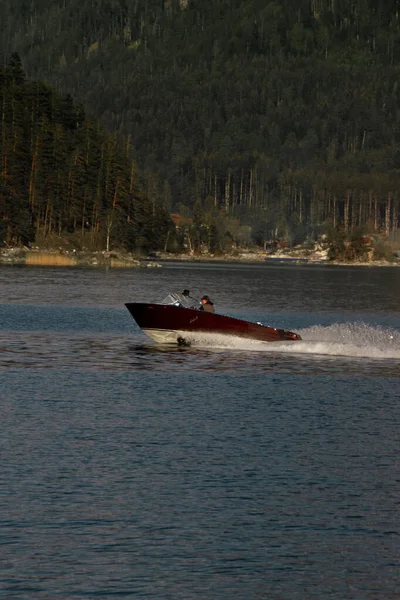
{"points": [[64, 258], [270, 259], [115, 259]]}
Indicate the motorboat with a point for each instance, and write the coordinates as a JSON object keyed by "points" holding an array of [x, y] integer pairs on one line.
{"points": [[180, 319]]}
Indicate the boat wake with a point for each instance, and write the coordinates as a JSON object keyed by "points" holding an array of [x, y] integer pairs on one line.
{"points": [[358, 340], [352, 339]]}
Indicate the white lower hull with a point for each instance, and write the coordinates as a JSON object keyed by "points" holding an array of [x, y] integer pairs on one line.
{"points": [[166, 336], [205, 339]]}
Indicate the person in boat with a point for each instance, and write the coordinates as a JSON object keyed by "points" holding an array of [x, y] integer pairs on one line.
{"points": [[207, 305]]}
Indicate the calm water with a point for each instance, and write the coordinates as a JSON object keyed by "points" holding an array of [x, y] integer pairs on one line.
{"points": [[130, 470]]}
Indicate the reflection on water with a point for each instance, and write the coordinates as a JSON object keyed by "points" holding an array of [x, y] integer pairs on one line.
{"points": [[349, 348], [234, 470], [235, 289], [240, 361]]}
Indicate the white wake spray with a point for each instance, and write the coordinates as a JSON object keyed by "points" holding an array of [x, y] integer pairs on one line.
{"points": [[355, 339], [352, 339]]}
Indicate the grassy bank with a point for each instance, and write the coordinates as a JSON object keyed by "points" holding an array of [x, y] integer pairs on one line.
{"points": [[56, 258]]}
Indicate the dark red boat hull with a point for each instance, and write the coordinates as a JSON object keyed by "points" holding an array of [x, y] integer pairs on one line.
{"points": [[160, 317]]}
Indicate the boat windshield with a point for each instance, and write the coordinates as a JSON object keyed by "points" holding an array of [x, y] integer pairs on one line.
{"points": [[178, 299]]}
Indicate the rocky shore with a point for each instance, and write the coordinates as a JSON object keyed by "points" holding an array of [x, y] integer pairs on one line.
{"points": [[297, 255], [116, 259]]}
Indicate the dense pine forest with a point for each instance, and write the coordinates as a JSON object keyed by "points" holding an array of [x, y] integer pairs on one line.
{"points": [[62, 174], [247, 117]]}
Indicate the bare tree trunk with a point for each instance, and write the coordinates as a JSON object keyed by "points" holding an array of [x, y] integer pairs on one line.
{"points": [[354, 213], [46, 216], [33, 175], [346, 213], [166, 241], [334, 211], [132, 178], [370, 217], [300, 206], [83, 217], [322, 206], [109, 223], [388, 208], [228, 191], [3, 142], [189, 241], [395, 214], [251, 188], [115, 195], [363, 140]]}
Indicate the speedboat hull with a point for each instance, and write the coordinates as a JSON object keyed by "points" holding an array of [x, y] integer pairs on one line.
{"points": [[175, 324]]}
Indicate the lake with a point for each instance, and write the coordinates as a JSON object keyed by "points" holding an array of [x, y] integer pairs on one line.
{"points": [[131, 470]]}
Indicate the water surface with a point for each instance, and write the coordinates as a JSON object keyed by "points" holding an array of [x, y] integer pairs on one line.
{"points": [[132, 470]]}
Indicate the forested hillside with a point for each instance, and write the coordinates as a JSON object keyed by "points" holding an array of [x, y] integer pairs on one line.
{"points": [[62, 174], [284, 113]]}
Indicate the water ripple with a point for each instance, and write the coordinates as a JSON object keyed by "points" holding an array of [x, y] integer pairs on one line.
{"points": [[131, 470], [346, 348]]}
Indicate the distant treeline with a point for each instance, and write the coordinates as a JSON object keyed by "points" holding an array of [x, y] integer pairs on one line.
{"points": [[284, 113], [63, 174]]}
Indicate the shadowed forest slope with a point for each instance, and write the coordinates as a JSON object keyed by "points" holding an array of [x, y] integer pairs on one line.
{"points": [[285, 114]]}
